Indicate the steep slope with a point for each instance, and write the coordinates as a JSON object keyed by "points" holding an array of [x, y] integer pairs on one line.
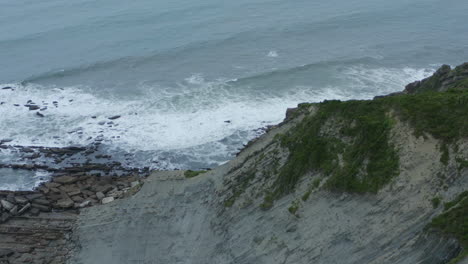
{"points": [[337, 182]]}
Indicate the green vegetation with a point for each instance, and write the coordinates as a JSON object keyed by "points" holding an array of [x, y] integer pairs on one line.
{"points": [[306, 195], [454, 222], [366, 123], [462, 163], [315, 185], [240, 187], [451, 204], [293, 208], [369, 160], [191, 173], [267, 201], [435, 202], [443, 115]]}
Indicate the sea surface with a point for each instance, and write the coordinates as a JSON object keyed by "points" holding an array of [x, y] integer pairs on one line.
{"points": [[194, 80]]}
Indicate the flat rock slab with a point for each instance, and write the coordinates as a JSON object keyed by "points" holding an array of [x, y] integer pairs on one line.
{"points": [[65, 179]]}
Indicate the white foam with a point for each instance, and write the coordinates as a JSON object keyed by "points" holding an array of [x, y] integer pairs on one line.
{"points": [[272, 54], [13, 180], [368, 82]]}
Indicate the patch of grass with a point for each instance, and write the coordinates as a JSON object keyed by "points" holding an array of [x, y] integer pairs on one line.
{"points": [[461, 196], [435, 202], [293, 208], [444, 115], [366, 123], [191, 173], [460, 257], [306, 195], [369, 160], [240, 186], [454, 221], [315, 184], [267, 201], [462, 163]]}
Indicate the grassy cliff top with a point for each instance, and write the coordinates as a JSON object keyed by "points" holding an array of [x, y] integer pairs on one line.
{"points": [[358, 156]]}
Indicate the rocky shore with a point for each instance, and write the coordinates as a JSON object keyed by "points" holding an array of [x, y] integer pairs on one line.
{"points": [[64, 160], [35, 226]]}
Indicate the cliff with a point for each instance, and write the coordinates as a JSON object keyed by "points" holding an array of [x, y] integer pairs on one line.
{"points": [[380, 181]]}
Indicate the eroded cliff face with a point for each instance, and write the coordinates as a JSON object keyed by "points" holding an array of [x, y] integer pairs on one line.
{"points": [[234, 213]]}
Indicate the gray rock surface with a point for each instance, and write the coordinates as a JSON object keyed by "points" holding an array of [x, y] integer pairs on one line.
{"points": [[173, 219]]}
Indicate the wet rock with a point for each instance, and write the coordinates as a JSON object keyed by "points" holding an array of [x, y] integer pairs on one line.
{"points": [[77, 199], [14, 210], [39, 114], [85, 203], [114, 117], [55, 196], [103, 156], [4, 217], [7, 88], [43, 189], [34, 211], [32, 107], [6, 253], [11, 198], [100, 196], [5, 140], [23, 250], [21, 200], [55, 190], [73, 193], [89, 151], [107, 200], [104, 189], [6, 204], [52, 184], [70, 188], [27, 150], [88, 193], [65, 179], [65, 203], [115, 193], [43, 208], [24, 209], [33, 196], [33, 156], [42, 202]]}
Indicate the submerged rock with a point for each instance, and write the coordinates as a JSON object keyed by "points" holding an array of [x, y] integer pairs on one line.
{"points": [[114, 117]]}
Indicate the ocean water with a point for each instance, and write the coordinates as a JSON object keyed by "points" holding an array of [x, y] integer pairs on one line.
{"points": [[195, 80]]}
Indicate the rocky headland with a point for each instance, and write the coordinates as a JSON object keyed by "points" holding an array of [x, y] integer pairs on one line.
{"points": [[377, 181]]}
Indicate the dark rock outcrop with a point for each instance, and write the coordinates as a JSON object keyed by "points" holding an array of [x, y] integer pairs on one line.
{"points": [[442, 80]]}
